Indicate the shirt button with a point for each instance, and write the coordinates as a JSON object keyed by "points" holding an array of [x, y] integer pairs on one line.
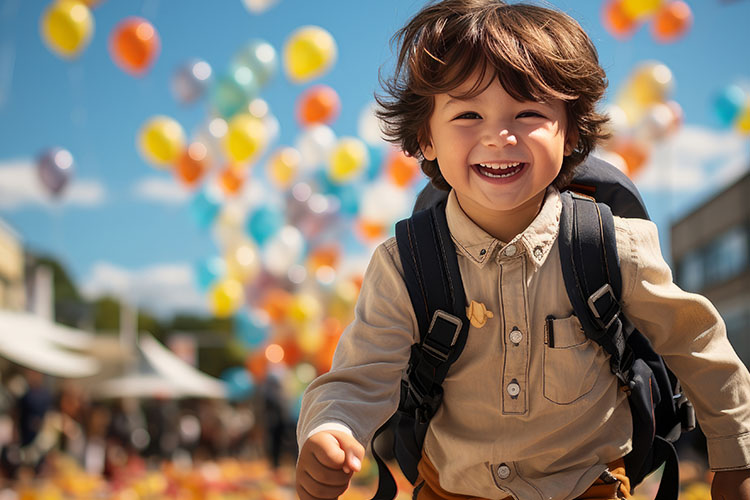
{"points": [[503, 471], [516, 336], [514, 389], [510, 250], [538, 253]]}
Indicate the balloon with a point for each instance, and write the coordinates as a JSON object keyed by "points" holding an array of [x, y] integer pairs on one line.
{"points": [[205, 207], [308, 53], [368, 126], [243, 262], [347, 160], [231, 179], [264, 223], [283, 250], [743, 120], [371, 231], [161, 140], [260, 57], [324, 256], [239, 383], [258, 6], [246, 137], [252, 328], [234, 91], [728, 104], [305, 308], [192, 164], [402, 170], [672, 21], [55, 167], [318, 104], [225, 297], [373, 208], [208, 271], [377, 156], [67, 27], [651, 82], [276, 303], [315, 145], [659, 121], [283, 167], [634, 153], [191, 80], [617, 21], [134, 45], [638, 9]]}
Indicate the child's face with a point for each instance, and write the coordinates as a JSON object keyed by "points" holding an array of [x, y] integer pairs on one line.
{"points": [[497, 153]]}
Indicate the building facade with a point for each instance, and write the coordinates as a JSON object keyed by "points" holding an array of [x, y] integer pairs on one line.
{"points": [[12, 289], [711, 256]]}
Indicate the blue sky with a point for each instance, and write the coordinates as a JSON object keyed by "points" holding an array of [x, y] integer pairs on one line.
{"points": [[114, 238]]}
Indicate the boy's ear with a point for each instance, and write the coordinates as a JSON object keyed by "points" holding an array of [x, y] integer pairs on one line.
{"points": [[428, 151], [571, 141]]}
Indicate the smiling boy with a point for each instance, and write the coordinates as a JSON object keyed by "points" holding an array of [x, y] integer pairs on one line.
{"points": [[498, 103]]}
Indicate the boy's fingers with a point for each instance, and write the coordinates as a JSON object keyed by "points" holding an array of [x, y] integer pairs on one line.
{"points": [[318, 489], [353, 452], [328, 451]]}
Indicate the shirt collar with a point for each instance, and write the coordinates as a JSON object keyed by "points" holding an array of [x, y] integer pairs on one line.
{"points": [[535, 242]]}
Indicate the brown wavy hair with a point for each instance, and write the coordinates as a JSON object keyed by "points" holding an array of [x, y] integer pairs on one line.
{"points": [[536, 53]]}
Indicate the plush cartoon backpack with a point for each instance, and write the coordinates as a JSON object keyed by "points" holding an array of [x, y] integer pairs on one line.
{"points": [[591, 272]]}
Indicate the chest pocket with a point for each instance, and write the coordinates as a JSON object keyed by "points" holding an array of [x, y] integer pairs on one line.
{"points": [[572, 362]]}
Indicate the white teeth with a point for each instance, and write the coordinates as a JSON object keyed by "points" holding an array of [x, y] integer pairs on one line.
{"points": [[499, 166], [496, 176]]}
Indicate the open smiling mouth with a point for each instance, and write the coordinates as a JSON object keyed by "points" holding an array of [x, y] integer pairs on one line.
{"points": [[499, 171]]}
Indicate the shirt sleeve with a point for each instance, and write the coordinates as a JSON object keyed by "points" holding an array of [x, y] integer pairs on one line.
{"points": [[361, 391], [686, 329]]}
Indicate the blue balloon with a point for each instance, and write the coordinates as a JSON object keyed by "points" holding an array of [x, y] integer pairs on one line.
{"points": [[251, 329], [264, 223], [375, 168], [205, 207], [260, 57], [239, 383], [729, 104], [349, 196], [208, 271], [232, 92]]}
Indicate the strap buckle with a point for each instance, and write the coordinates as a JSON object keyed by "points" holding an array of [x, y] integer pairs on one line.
{"points": [[610, 315], [444, 326]]}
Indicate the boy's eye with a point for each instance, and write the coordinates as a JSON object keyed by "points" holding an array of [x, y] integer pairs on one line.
{"points": [[533, 114], [467, 116]]}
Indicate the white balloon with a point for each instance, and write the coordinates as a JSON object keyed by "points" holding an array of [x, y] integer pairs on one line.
{"points": [[283, 250], [384, 203], [368, 126], [315, 144], [258, 6]]}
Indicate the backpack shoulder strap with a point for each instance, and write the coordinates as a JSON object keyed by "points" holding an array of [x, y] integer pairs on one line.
{"points": [[436, 291], [591, 271]]}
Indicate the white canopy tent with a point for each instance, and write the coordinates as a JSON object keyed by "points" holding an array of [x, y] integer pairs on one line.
{"points": [[42, 345]]}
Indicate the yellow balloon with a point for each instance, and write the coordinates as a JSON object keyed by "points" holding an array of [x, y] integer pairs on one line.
{"points": [[161, 141], [243, 261], [67, 26], [283, 166], [309, 52], [651, 82], [638, 9], [743, 121], [347, 160], [245, 138], [305, 308], [226, 296], [310, 339]]}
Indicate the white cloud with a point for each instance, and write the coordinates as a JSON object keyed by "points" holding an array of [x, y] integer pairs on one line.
{"points": [[161, 190], [695, 159], [161, 289], [20, 187]]}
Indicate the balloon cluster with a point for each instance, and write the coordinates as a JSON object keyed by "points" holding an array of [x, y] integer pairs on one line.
{"points": [[281, 215], [732, 107], [642, 115], [670, 19]]}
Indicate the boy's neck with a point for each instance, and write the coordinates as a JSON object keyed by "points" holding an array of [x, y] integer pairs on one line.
{"points": [[503, 225]]}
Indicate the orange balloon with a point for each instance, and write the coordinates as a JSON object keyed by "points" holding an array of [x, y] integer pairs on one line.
{"points": [[672, 21], [134, 45], [635, 155], [257, 364], [402, 169], [276, 304], [371, 231], [192, 164], [323, 256], [231, 179], [318, 104], [292, 353], [616, 20]]}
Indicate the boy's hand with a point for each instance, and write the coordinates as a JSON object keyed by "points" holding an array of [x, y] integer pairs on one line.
{"points": [[731, 485], [326, 463]]}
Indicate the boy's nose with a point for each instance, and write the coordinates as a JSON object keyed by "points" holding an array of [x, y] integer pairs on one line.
{"points": [[502, 138]]}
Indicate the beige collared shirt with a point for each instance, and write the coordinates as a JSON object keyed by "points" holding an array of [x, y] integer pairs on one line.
{"points": [[521, 417]]}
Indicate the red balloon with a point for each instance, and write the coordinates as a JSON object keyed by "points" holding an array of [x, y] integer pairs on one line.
{"points": [[134, 45], [318, 104], [672, 21], [617, 22]]}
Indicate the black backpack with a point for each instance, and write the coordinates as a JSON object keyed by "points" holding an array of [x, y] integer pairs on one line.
{"points": [[591, 272]]}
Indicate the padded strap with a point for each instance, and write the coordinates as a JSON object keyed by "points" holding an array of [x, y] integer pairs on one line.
{"points": [[664, 451]]}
